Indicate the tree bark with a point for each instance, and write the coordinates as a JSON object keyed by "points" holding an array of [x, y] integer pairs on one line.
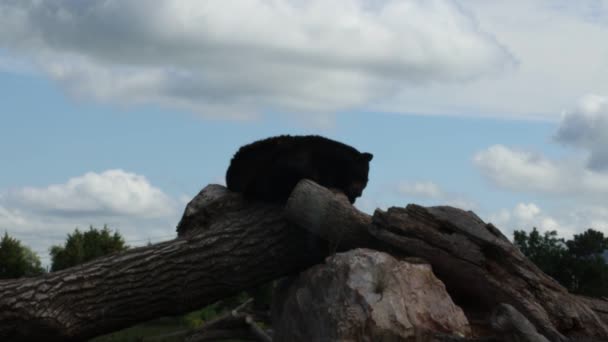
{"points": [[599, 306], [514, 326], [478, 265], [225, 246], [322, 212]]}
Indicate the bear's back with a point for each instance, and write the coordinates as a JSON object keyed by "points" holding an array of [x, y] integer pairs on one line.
{"points": [[268, 169]]}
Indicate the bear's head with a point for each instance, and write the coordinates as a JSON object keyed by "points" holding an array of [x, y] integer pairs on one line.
{"points": [[357, 176]]}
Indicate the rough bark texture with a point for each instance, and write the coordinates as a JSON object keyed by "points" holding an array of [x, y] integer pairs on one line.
{"points": [[513, 326], [366, 295], [599, 306], [226, 245], [478, 264], [320, 211]]}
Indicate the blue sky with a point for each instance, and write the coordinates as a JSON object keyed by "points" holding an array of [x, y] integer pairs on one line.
{"points": [[116, 113]]}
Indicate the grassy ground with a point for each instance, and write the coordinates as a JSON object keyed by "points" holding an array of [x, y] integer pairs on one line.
{"points": [[154, 330], [167, 329]]}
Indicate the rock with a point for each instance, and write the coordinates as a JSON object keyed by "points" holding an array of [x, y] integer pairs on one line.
{"points": [[365, 295]]}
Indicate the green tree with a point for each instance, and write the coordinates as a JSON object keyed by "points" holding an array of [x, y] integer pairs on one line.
{"points": [[589, 268], [17, 260], [547, 251], [577, 264], [588, 244], [81, 247]]}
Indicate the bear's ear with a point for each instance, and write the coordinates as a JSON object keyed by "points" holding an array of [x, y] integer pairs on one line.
{"points": [[367, 157]]}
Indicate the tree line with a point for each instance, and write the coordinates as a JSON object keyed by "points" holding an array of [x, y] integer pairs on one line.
{"points": [[18, 260], [579, 264]]}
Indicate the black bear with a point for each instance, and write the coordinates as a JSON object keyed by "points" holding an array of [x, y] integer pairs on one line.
{"points": [[269, 169]]}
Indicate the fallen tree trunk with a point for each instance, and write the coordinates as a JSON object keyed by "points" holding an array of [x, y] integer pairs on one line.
{"points": [[514, 326], [599, 306], [478, 265], [225, 246]]}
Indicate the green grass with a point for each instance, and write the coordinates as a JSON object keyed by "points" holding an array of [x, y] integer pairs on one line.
{"points": [[150, 331], [147, 331]]}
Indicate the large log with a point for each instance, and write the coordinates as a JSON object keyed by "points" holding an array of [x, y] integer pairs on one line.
{"points": [[225, 246], [323, 212], [598, 305], [478, 265]]}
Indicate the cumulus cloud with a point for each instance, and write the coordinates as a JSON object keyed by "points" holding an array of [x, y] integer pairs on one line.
{"points": [[525, 211], [561, 49], [11, 218], [531, 172], [127, 202], [586, 127], [575, 186], [525, 216], [516, 169], [590, 216], [430, 193], [234, 56], [110, 193], [566, 221]]}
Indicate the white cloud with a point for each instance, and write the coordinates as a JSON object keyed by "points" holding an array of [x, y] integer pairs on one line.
{"points": [[590, 216], [11, 218], [567, 221], [430, 193], [425, 189], [412, 56], [562, 54], [531, 172], [586, 127], [519, 170], [525, 216], [240, 57], [110, 193], [41, 217], [526, 211], [574, 188]]}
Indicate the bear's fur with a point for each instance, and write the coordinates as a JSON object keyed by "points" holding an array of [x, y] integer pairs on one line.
{"points": [[269, 169]]}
